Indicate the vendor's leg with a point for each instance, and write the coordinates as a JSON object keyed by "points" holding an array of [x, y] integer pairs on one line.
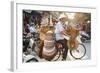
{"points": [[65, 49]]}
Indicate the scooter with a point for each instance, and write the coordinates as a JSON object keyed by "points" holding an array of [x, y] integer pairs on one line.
{"points": [[85, 37], [30, 56]]}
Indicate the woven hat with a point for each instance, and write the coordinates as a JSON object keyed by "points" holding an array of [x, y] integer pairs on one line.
{"points": [[62, 16]]}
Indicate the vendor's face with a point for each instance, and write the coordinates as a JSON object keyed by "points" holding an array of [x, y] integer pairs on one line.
{"points": [[64, 20]]}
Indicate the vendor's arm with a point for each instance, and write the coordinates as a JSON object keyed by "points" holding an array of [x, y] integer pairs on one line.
{"points": [[62, 30]]}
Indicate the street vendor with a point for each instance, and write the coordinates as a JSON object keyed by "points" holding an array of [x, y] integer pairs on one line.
{"points": [[59, 32]]}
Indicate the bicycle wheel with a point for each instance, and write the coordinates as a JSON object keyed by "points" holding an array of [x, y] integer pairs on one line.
{"points": [[57, 56], [78, 53]]}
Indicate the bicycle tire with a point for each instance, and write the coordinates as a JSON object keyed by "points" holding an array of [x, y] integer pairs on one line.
{"points": [[59, 54], [71, 52]]}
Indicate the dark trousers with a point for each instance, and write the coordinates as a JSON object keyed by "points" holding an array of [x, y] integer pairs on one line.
{"points": [[65, 47]]}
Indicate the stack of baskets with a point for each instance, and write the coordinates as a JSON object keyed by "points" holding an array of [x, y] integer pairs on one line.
{"points": [[49, 49]]}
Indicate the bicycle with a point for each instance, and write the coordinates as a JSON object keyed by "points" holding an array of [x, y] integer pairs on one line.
{"points": [[77, 49]]}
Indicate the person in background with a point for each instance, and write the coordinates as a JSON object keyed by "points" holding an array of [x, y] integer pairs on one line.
{"points": [[59, 32], [44, 20], [32, 28], [54, 21]]}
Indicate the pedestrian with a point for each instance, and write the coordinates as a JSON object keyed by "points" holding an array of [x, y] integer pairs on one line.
{"points": [[32, 28], [45, 19]]}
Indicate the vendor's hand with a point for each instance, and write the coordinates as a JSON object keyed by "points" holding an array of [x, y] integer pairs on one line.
{"points": [[67, 37]]}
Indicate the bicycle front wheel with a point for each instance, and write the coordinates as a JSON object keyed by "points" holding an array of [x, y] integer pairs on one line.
{"points": [[79, 52]]}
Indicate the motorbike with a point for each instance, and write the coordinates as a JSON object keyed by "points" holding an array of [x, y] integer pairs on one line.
{"points": [[31, 41], [85, 36]]}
